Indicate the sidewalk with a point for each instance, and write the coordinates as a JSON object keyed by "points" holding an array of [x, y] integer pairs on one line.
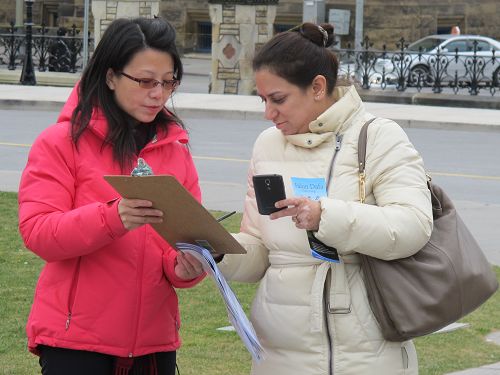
{"points": [[244, 107]]}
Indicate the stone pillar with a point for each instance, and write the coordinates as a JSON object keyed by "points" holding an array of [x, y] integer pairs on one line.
{"points": [[238, 28], [106, 11]]}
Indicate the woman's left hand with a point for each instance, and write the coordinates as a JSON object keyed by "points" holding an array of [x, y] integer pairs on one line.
{"points": [[305, 212], [187, 266]]}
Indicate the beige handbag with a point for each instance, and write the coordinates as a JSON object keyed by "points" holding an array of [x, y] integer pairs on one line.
{"points": [[445, 280]]}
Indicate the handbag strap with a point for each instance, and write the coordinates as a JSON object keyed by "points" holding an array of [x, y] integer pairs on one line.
{"points": [[362, 140]]}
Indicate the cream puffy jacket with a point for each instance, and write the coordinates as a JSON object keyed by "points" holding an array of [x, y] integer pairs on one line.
{"points": [[313, 317]]}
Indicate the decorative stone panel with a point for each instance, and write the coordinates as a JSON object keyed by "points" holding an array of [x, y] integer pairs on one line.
{"points": [[237, 27]]}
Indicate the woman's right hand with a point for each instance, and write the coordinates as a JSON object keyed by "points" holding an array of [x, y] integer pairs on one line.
{"points": [[137, 212]]}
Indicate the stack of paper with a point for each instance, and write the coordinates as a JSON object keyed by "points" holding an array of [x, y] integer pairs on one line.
{"points": [[236, 314]]}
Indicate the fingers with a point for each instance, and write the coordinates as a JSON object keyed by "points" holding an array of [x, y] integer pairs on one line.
{"points": [[137, 212], [305, 213], [187, 267], [291, 205]]}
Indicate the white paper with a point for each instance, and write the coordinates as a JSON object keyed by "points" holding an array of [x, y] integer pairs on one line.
{"points": [[236, 314]]}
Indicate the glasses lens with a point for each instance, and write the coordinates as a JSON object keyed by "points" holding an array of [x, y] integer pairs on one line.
{"points": [[148, 83], [152, 83]]}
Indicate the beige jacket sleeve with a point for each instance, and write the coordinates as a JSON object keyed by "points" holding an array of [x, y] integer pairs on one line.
{"points": [[249, 267]]}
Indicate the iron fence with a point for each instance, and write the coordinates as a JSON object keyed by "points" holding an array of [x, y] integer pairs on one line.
{"points": [[53, 49], [474, 72]]}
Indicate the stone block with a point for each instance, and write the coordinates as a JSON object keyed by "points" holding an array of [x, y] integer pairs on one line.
{"points": [[231, 76], [246, 87], [128, 9], [245, 14], [248, 35], [230, 90], [229, 32], [229, 26], [228, 13], [229, 70], [218, 86], [215, 12]]}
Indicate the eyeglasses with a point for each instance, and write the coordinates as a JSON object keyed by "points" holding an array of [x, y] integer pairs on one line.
{"points": [[149, 83]]}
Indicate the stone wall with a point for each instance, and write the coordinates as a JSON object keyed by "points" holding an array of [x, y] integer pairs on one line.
{"points": [[386, 21]]}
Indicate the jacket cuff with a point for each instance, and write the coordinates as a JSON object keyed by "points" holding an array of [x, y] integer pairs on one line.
{"points": [[112, 218], [169, 262]]}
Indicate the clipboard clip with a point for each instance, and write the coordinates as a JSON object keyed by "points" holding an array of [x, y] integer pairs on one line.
{"points": [[142, 169]]}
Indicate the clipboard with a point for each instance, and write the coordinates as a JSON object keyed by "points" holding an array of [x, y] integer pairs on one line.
{"points": [[184, 218]]}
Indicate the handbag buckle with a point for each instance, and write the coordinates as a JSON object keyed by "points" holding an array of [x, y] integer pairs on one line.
{"points": [[362, 192], [340, 310]]}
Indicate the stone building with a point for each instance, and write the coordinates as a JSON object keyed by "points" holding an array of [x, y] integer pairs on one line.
{"points": [[385, 21]]}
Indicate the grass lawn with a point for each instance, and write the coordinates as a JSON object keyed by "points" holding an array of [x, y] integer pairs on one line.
{"points": [[206, 350]]}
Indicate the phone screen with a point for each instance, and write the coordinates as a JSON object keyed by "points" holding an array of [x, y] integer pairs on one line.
{"points": [[269, 188]]}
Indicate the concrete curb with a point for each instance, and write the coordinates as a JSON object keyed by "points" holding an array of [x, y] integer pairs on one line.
{"points": [[430, 99]]}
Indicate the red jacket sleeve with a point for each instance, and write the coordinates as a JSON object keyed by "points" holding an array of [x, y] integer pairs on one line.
{"points": [[49, 223]]}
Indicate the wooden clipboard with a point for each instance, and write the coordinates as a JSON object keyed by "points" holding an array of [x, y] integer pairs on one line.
{"points": [[184, 219]]}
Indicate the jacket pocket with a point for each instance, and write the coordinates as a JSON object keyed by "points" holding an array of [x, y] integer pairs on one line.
{"points": [[72, 293]]}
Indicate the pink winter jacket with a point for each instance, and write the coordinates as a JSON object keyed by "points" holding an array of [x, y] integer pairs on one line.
{"points": [[103, 288]]}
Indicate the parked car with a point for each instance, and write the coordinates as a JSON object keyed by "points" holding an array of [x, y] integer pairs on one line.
{"points": [[454, 57]]}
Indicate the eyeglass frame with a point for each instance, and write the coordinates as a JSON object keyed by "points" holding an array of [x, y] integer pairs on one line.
{"points": [[167, 85]]}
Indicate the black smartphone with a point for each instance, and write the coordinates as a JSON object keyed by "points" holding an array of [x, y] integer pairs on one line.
{"points": [[269, 188]]}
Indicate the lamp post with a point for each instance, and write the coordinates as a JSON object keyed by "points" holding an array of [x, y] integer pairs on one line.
{"points": [[28, 73], [358, 33]]}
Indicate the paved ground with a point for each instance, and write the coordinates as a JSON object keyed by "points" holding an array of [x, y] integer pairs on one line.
{"points": [[251, 107]]}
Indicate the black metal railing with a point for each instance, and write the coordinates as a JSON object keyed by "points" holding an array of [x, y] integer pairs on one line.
{"points": [[474, 72], [53, 49]]}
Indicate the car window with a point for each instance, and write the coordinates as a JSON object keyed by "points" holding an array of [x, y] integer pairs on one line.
{"points": [[482, 46], [457, 45], [426, 44]]}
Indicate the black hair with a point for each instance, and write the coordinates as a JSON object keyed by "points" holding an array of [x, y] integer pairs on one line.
{"points": [[300, 54], [120, 42]]}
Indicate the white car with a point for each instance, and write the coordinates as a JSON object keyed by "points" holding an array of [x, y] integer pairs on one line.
{"points": [[459, 58]]}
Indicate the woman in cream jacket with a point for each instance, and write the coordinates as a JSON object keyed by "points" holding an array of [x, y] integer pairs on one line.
{"points": [[312, 316]]}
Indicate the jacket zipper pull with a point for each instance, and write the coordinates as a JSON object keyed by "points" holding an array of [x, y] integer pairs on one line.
{"points": [[338, 142], [68, 321]]}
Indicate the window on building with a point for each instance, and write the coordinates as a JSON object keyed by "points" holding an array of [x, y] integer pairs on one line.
{"points": [[279, 28], [445, 24], [204, 37]]}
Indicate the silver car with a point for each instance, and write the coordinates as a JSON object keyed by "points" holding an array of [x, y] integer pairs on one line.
{"points": [[454, 58]]}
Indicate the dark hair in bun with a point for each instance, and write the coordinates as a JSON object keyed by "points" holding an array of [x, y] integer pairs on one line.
{"points": [[300, 54], [321, 35]]}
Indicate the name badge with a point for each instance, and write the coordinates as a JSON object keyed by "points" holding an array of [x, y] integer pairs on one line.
{"points": [[312, 188]]}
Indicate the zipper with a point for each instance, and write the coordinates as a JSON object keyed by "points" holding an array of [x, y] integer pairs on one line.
{"points": [[327, 328], [72, 293], [140, 266], [338, 145]]}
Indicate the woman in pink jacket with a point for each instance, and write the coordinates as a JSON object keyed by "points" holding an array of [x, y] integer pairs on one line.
{"points": [[105, 301]]}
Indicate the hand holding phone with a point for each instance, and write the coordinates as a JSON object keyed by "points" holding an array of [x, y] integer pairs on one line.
{"points": [[269, 189]]}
